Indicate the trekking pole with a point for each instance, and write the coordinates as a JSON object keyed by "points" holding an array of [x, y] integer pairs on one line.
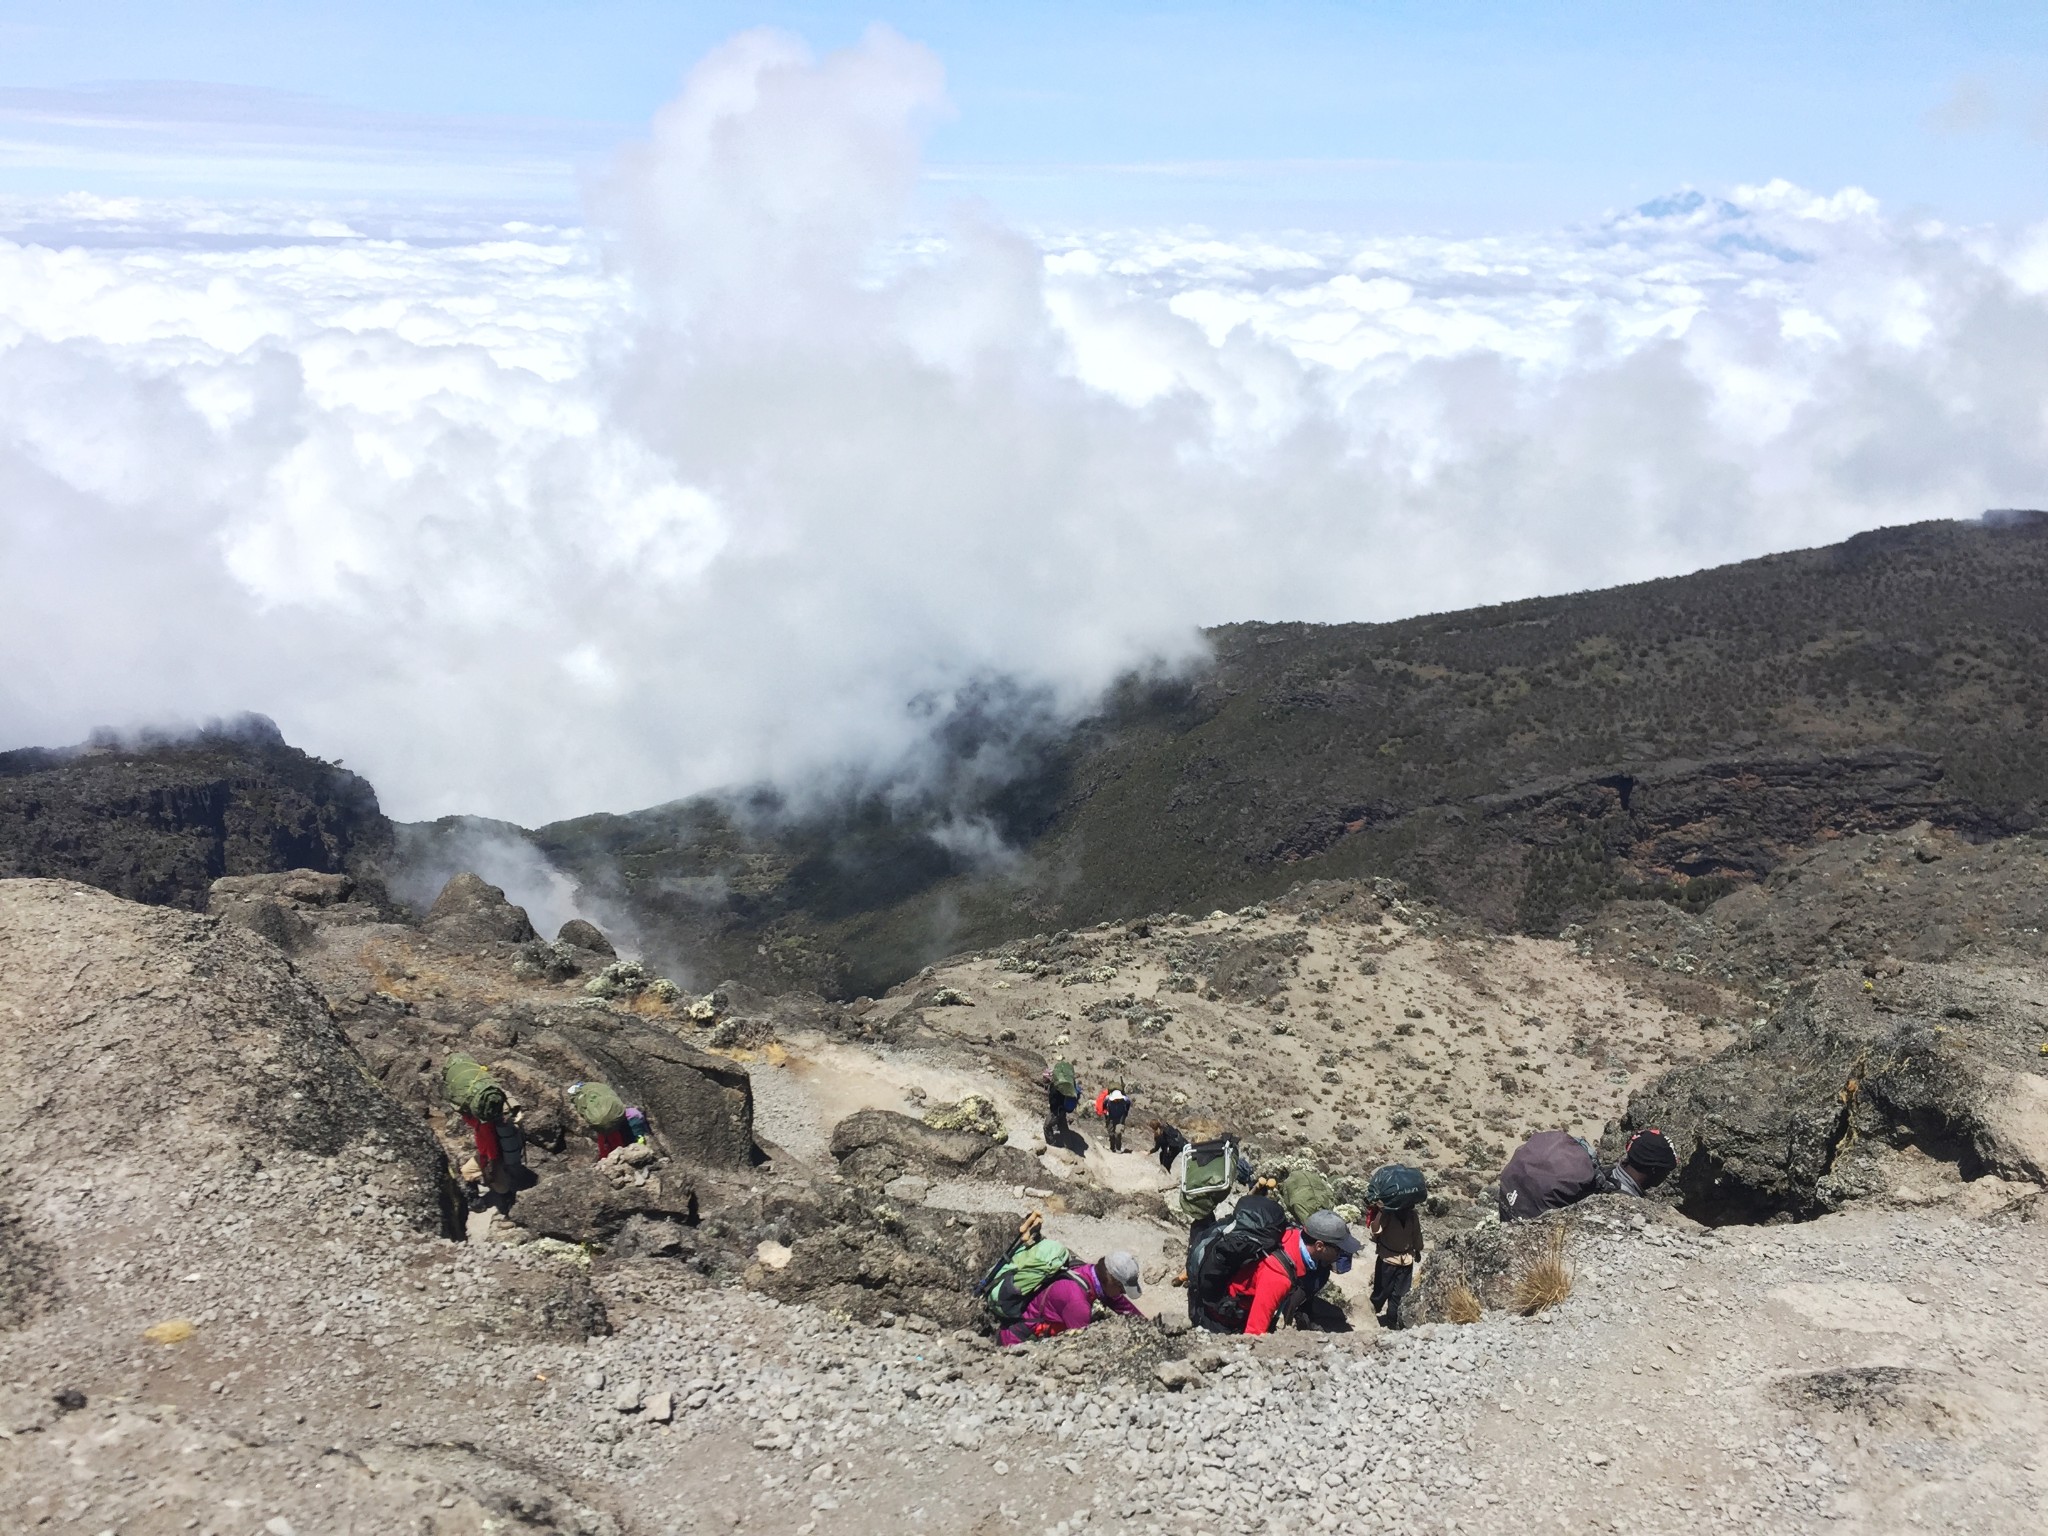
{"points": [[1027, 1234]]}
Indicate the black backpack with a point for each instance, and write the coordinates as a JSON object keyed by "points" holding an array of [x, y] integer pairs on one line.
{"points": [[1252, 1231]]}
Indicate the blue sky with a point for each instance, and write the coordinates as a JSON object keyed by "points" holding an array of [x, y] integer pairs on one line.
{"points": [[1446, 116]]}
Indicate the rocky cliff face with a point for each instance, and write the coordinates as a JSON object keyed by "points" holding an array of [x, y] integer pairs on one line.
{"points": [[160, 821]]}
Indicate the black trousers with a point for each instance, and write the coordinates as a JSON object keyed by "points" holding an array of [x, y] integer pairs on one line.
{"points": [[1390, 1284]]}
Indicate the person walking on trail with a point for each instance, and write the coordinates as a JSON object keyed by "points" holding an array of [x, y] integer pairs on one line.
{"points": [[604, 1114], [1113, 1107], [482, 1104], [1646, 1162], [1066, 1303], [1397, 1249], [1062, 1098], [1277, 1289]]}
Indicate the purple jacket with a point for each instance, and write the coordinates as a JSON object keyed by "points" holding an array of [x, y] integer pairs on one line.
{"points": [[1063, 1306]]}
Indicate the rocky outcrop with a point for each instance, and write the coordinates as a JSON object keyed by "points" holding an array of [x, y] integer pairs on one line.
{"points": [[909, 1142], [865, 1259], [286, 908], [160, 820], [1813, 1109], [579, 934], [701, 1105], [152, 1058], [470, 910], [589, 1204]]}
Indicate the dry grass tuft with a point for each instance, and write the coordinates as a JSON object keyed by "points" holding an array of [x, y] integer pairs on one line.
{"points": [[1461, 1305], [1548, 1279]]}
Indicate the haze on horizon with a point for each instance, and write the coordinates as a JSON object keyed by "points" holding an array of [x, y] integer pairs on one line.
{"points": [[582, 407]]}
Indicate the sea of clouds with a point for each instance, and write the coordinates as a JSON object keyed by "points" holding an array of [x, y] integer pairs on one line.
{"points": [[749, 473]]}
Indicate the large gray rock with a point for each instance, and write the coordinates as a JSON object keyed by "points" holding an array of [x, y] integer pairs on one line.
{"points": [[701, 1105], [1808, 1112], [470, 910], [874, 1142], [911, 1260], [285, 907], [115, 1014], [586, 1205], [582, 935]]}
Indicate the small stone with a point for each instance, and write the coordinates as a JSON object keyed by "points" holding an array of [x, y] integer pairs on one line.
{"points": [[661, 1407], [907, 1190], [593, 1381], [627, 1398], [1176, 1375]]}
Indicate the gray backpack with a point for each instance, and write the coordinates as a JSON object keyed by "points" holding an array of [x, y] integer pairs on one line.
{"points": [[1550, 1170]]}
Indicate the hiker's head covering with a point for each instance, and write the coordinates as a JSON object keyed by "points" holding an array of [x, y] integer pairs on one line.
{"points": [[1328, 1227], [1650, 1151], [1123, 1269]]}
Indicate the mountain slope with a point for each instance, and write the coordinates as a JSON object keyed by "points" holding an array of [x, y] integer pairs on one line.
{"points": [[1522, 763]]}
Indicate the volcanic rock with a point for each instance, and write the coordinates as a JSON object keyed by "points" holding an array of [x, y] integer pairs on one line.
{"points": [[1805, 1114], [585, 935]]}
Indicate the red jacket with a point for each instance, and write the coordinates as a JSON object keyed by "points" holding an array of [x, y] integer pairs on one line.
{"points": [[1265, 1286]]}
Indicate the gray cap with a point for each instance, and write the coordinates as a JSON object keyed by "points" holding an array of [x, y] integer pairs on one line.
{"points": [[1123, 1269], [1328, 1227]]}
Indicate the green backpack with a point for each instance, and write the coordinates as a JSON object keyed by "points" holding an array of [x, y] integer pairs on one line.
{"points": [[1304, 1192], [1207, 1177], [597, 1106], [466, 1085], [1009, 1289], [1063, 1078]]}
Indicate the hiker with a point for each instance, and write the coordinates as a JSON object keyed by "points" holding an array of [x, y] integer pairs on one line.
{"points": [[605, 1114], [493, 1130], [1283, 1286], [1113, 1108], [1394, 1197], [1062, 1098], [1554, 1169], [1066, 1302], [1166, 1144], [1646, 1162]]}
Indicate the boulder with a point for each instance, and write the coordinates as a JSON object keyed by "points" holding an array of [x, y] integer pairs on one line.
{"points": [[701, 1106], [579, 934], [276, 921], [908, 1260], [1810, 1111], [584, 1205], [299, 887], [528, 1295], [470, 910], [881, 1142], [1490, 1257], [285, 907]]}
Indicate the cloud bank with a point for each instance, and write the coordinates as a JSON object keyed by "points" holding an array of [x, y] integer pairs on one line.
{"points": [[750, 477]]}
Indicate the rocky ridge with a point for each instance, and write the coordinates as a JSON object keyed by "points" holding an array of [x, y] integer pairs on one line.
{"points": [[783, 1350]]}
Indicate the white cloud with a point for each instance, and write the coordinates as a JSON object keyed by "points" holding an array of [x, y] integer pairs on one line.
{"points": [[528, 520]]}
